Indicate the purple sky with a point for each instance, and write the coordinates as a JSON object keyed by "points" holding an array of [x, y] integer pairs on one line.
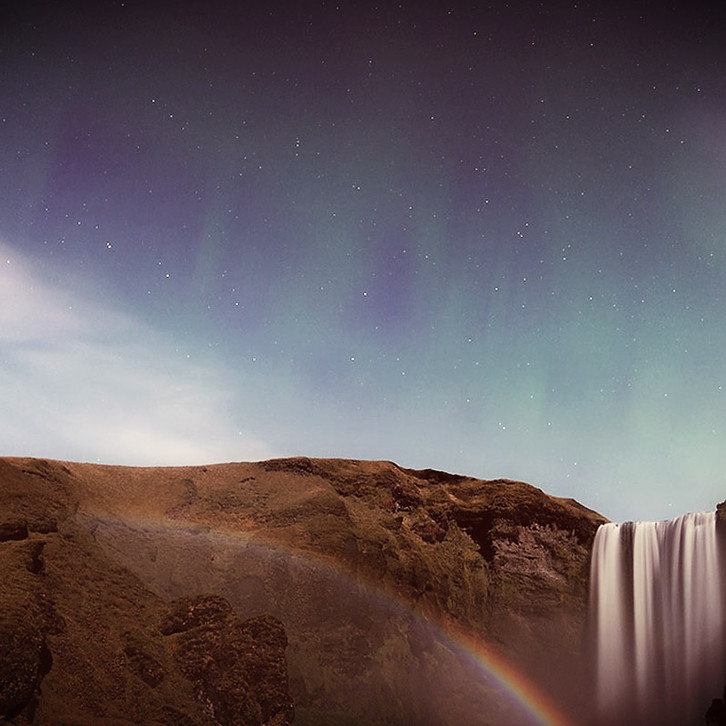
{"points": [[489, 240]]}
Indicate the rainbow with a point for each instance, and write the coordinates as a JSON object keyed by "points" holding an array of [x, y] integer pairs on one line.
{"points": [[531, 702], [531, 699]]}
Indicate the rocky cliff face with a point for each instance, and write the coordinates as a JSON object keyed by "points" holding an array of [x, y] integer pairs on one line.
{"points": [[384, 579], [83, 641]]}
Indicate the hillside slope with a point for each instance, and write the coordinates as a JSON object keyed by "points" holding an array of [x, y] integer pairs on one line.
{"points": [[385, 579]]}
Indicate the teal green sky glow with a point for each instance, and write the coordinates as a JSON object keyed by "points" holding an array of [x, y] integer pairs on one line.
{"points": [[490, 241]]}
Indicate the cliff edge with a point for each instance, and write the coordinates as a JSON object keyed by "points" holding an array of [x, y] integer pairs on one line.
{"points": [[399, 591]]}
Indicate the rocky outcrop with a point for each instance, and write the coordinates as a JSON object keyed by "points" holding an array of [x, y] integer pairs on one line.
{"points": [[26, 619], [24, 654], [385, 579], [84, 641], [721, 513], [237, 666]]}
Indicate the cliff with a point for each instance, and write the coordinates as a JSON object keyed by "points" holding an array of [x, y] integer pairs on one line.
{"points": [[385, 579]]}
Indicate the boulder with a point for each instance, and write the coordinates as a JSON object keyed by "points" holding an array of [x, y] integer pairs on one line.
{"points": [[237, 666]]}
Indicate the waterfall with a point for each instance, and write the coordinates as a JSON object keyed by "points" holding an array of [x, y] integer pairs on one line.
{"points": [[657, 621]]}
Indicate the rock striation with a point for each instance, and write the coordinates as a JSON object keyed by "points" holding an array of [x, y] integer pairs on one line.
{"points": [[356, 589]]}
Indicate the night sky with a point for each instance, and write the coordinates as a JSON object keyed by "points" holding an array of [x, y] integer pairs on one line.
{"points": [[488, 238]]}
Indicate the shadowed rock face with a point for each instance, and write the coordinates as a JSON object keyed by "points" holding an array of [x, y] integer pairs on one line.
{"points": [[369, 566]]}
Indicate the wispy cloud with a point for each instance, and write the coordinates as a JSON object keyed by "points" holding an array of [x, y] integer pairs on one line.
{"points": [[80, 380]]}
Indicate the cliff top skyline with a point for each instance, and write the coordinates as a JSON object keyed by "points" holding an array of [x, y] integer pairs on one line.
{"points": [[487, 241]]}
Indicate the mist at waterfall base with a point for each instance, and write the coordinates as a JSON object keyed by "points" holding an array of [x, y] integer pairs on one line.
{"points": [[657, 631]]}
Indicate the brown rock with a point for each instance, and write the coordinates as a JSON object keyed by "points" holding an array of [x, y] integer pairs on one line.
{"points": [[140, 661], [13, 530], [34, 559], [24, 658], [238, 666], [79, 637], [375, 570], [194, 612]]}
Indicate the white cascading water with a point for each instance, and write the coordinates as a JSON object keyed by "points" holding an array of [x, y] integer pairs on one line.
{"points": [[657, 621]]}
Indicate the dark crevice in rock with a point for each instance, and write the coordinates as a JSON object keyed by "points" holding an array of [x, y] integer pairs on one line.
{"points": [[478, 527], [34, 562], [13, 530]]}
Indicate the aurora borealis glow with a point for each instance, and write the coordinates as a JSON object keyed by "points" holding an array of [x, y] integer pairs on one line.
{"points": [[489, 240]]}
